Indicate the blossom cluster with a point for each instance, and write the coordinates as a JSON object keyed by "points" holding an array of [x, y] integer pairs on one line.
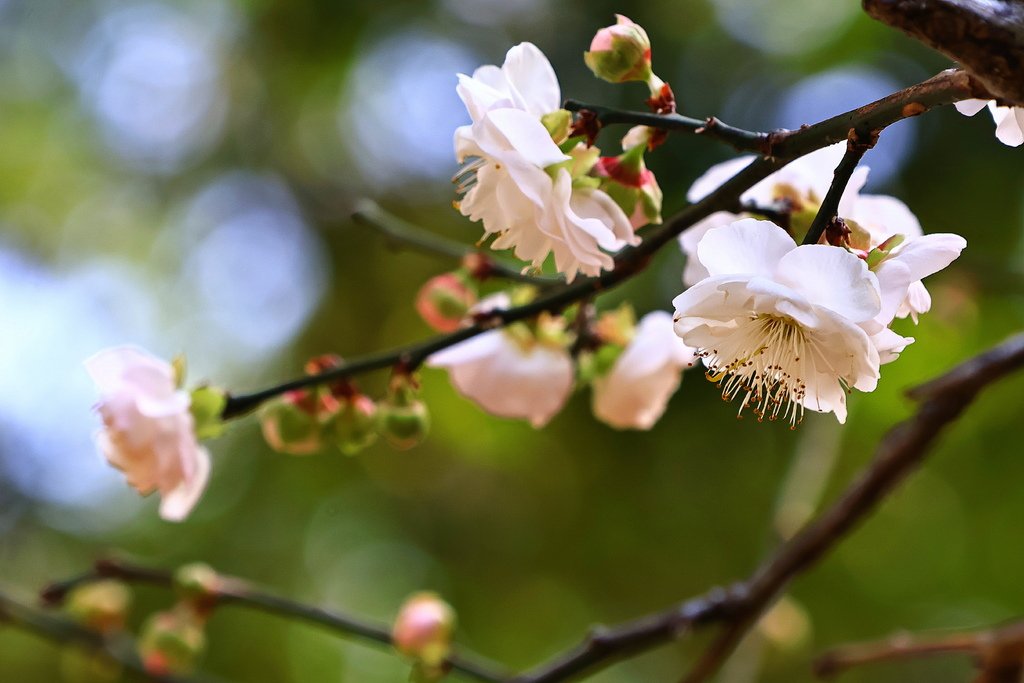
{"points": [[781, 327]]}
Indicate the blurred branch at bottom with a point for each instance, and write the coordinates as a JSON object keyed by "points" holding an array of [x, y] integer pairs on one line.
{"points": [[229, 590], [902, 449], [998, 652], [120, 649]]}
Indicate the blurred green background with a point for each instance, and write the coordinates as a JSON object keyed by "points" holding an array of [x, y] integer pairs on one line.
{"points": [[179, 175]]}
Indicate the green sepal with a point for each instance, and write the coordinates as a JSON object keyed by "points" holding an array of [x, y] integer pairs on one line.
{"points": [[207, 410]]}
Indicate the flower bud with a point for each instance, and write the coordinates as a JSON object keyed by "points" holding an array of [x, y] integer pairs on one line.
{"points": [[198, 584], [444, 301], [402, 417], [101, 606], [171, 642], [294, 424], [354, 426], [620, 53], [423, 629], [627, 180]]}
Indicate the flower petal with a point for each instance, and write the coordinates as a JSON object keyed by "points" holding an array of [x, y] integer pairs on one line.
{"points": [[532, 80], [747, 246], [970, 107], [178, 502], [832, 277]]}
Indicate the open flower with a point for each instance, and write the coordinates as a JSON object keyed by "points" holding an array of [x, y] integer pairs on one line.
{"points": [[1009, 120], [799, 189], [148, 429], [635, 391], [510, 372], [778, 324], [517, 180]]}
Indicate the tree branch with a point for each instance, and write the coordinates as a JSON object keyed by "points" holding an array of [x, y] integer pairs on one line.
{"points": [[985, 36], [998, 651], [948, 86], [236, 591], [902, 449], [829, 209], [121, 649], [401, 233]]}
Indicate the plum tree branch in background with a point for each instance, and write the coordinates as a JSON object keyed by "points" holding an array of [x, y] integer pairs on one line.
{"points": [[828, 212], [985, 36], [121, 649], [400, 233], [998, 651], [235, 591], [944, 88], [947, 87], [901, 450]]}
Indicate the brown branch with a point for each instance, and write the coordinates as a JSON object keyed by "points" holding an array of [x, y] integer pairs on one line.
{"points": [[899, 453], [235, 591], [985, 36], [828, 212], [949, 86], [120, 648], [998, 652]]}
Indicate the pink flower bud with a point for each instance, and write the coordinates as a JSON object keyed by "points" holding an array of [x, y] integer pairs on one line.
{"points": [[444, 301], [627, 180], [620, 53], [423, 629], [171, 642], [101, 606]]}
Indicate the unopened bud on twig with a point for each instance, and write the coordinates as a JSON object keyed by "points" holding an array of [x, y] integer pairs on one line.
{"points": [[620, 53], [402, 417], [101, 606], [172, 641], [443, 302], [423, 629]]}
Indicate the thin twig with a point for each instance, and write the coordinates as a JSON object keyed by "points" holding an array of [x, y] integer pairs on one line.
{"points": [[398, 232], [120, 649], [998, 652], [902, 449], [949, 86], [235, 591], [900, 646], [742, 140], [829, 209]]}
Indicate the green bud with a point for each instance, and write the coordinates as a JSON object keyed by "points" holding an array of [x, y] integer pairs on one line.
{"points": [[289, 428], [171, 642], [354, 426], [620, 53], [102, 606], [197, 583]]}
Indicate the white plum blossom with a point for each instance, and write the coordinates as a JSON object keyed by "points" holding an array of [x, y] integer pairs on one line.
{"points": [[779, 325], [148, 430], [509, 372], [1009, 120], [516, 179], [635, 391], [801, 186]]}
